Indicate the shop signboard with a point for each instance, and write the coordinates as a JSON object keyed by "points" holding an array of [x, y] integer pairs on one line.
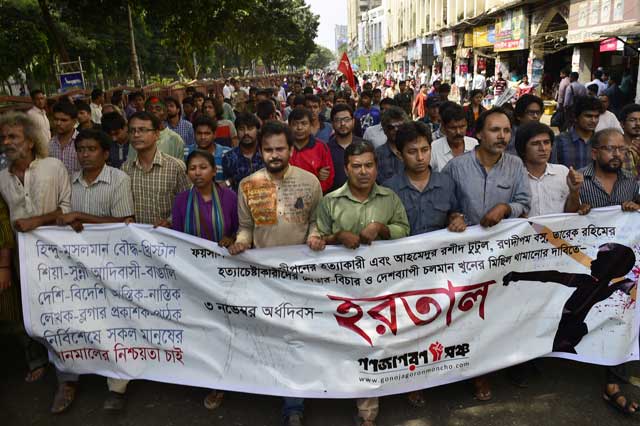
{"points": [[611, 45], [448, 39], [589, 20], [512, 31], [484, 36]]}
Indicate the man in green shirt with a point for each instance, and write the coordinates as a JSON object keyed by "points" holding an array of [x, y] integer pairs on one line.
{"points": [[360, 212]]}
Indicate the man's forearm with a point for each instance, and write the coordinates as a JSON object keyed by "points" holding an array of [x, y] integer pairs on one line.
{"points": [[573, 202], [48, 218], [88, 218]]}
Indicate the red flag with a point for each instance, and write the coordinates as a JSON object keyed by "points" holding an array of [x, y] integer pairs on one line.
{"points": [[345, 68]]}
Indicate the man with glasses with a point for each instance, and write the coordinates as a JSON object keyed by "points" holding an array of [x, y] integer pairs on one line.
{"points": [[572, 148], [454, 142], [342, 119], [389, 158], [606, 183], [528, 109], [630, 119], [169, 142]]}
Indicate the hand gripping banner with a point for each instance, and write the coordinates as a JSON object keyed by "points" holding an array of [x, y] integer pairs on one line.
{"points": [[137, 302]]}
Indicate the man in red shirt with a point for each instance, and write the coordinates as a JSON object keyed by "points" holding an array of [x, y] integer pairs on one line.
{"points": [[310, 153]]}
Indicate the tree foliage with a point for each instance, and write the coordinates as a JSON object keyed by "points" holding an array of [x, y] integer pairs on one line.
{"points": [[320, 58], [173, 38]]}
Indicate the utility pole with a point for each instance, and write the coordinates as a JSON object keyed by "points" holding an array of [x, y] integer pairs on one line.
{"points": [[135, 67]]}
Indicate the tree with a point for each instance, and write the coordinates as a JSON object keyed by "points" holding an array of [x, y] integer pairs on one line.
{"points": [[320, 58]]}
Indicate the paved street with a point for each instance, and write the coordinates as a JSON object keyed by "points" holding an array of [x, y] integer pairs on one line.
{"points": [[566, 393]]}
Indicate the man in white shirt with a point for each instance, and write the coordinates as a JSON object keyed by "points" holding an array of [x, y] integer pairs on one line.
{"points": [[480, 81], [608, 120], [599, 81], [39, 113], [454, 142], [375, 134], [227, 90], [97, 99], [554, 187]]}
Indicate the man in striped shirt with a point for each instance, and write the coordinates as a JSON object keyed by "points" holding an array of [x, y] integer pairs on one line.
{"points": [[99, 194]]}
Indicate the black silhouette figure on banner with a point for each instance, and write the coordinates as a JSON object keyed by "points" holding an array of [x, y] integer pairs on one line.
{"points": [[613, 261]]}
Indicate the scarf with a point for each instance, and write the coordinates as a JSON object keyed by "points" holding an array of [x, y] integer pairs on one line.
{"points": [[195, 219]]}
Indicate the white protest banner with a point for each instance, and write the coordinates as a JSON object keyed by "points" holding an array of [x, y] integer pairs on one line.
{"points": [[137, 302]]}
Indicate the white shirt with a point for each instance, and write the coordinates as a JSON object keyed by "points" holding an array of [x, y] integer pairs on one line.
{"points": [[479, 82], [441, 151], [41, 119], [608, 120], [375, 135], [227, 91], [602, 86], [549, 192], [96, 113]]}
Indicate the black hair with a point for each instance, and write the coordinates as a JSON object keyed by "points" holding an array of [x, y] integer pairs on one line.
{"points": [[116, 97], [198, 95], [596, 139], [112, 121], [298, 100], [376, 90], [272, 128], [628, 110], [392, 113], [299, 114], [312, 98], [146, 116], [135, 95], [82, 106], [587, 103], [483, 117], [205, 120], [97, 135], [358, 148], [410, 132], [246, 119], [265, 110], [366, 94], [528, 131], [307, 90], [444, 87], [452, 112], [524, 101], [203, 154], [475, 92], [593, 88], [172, 100], [388, 101], [96, 93], [36, 92], [574, 75], [339, 108], [66, 107]]}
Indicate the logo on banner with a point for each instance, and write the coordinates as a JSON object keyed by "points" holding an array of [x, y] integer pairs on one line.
{"points": [[435, 353]]}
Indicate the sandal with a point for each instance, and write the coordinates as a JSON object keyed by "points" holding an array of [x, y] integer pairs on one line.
{"points": [[625, 408], [213, 400], [416, 399], [35, 374], [64, 397], [482, 389]]}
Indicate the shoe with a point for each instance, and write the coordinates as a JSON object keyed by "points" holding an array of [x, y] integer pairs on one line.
{"points": [[114, 402], [65, 394], [293, 420]]}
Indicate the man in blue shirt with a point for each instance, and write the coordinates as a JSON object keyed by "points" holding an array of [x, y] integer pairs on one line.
{"points": [[205, 129], [244, 159], [365, 114], [572, 148], [178, 124]]}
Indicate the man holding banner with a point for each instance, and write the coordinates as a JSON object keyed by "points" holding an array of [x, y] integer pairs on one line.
{"points": [[360, 212], [275, 208]]}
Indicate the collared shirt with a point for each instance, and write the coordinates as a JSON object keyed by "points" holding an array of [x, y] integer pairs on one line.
{"points": [[427, 210], [235, 166], [593, 193], [337, 155], [314, 156], [562, 87], [109, 195], [602, 86], [118, 154], [571, 150], [96, 113], [441, 152], [66, 154], [549, 192], [389, 163], [478, 191], [375, 135], [41, 119], [185, 130], [573, 90], [155, 190], [46, 188], [341, 211], [277, 213], [324, 132], [218, 156], [169, 143]]}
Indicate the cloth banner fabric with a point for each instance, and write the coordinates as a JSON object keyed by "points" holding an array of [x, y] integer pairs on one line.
{"points": [[142, 303]]}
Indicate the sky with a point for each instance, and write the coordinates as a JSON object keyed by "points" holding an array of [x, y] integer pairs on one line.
{"points": [[332, 12]]}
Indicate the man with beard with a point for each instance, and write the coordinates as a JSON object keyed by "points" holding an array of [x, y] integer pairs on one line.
{"points": [[244, 159], [630, 120], [275, 208], [454, 142], [343, 122], [389, 160], [178, 124], [169, 142]]}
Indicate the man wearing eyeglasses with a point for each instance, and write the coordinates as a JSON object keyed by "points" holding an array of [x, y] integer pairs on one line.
{"points": [[528, 109], [389, 158], [343, 122], [606, 183]]}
